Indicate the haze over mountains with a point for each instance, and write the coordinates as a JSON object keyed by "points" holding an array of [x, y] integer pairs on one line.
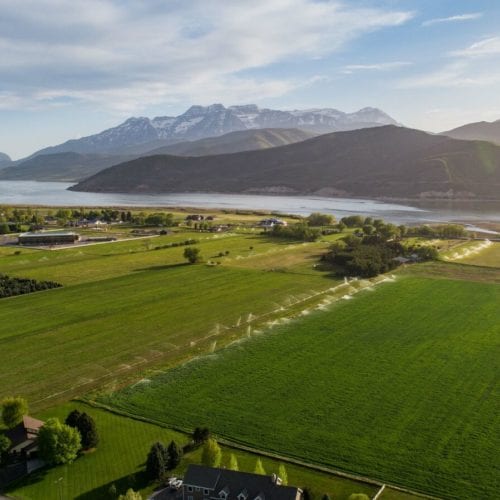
{"points": [[139, 135], [382, 162], [482, 131], [70, 166]]}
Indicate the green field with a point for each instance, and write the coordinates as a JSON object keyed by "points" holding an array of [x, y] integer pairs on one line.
{"points": [[399, 384], [120, 457], [124, 306]]}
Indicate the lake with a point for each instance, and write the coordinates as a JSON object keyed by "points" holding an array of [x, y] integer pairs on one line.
{"points": [[56, 194]]}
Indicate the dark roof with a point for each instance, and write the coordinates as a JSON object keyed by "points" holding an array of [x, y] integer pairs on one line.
{"points": [[235, 482], [25, 430]]}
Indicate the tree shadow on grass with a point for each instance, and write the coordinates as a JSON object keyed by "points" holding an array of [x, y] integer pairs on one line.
{"points": [[33, 478], [164, 267], [136, 481]]}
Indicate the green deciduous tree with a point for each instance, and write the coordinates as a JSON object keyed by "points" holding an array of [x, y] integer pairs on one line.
{"points": [[13, 410], [58, 443], [130, 495], [318, 219], [4, 446], [233, 462], [192, 255], [259, 468], [282, 474], [212, 454]]}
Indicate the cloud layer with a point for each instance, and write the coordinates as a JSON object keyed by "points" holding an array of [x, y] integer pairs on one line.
{"points": [[125, 55]]}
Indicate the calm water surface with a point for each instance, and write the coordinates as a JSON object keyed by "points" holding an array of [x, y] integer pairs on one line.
{"points": [[56, 194]]}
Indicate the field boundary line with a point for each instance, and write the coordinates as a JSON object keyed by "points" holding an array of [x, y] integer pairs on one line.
{"points": [[239, 446], [379, 492]]}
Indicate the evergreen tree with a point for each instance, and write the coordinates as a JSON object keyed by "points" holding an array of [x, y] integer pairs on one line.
{"points": [[155, 462], [88, 430], [282, 474], [326, 496], [201, 434], [72, 418], [174, 454], [259, 468], [212, 454], [233, 462], [86, 427]]}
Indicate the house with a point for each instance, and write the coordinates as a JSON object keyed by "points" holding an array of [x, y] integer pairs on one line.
{"points": [[23, 437], [195, 217], [208, 483], [271, 222]]}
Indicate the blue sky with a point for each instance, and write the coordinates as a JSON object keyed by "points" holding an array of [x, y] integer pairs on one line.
{"points": [[70, 68]]}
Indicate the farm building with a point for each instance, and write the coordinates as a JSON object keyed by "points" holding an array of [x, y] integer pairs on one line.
{"points": [[23, 437], [208, 483], [48, 238]]}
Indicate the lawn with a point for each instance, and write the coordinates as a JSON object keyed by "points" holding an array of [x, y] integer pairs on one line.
{"points": [[400, 384], [120, 458]]}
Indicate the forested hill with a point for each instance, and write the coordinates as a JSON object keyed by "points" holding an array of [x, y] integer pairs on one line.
{"points": [[388, 161]]}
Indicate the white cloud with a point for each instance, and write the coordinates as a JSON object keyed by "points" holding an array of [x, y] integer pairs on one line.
{"points": [[474, 66], [484, 48], [453, 19], [351, 68], [124, 55]]}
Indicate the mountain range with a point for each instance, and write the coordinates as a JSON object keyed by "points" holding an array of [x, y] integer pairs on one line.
{"points": [[383, 162], [73, 167], [137, 136], [481, 131]]}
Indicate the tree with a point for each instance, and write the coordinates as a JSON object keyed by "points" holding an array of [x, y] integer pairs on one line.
{"points": [[318, 219], [282, 474], [156, 461], [13, 410], [72, 418], [4, 447], [131, 495], [174, 454], [233, 462], [86, 427], [326, 496], [200, 435], [259, 468], [88, 430], [212, 454], [58, 443], [192, 255]]}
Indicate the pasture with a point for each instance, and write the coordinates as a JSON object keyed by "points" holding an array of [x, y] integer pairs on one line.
{"points": [[125, 306], [120, 458], [399, 384]]}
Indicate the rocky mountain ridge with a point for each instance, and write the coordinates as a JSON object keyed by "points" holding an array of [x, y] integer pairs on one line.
{"points": [[138, 135]]}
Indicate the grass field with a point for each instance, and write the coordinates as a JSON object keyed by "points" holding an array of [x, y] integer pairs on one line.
{"points": [[125, 305], [120, 458], [488, 256], [399, 384]]}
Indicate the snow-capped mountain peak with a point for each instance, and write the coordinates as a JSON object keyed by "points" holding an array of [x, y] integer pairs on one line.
{"points": [[199, 122]]}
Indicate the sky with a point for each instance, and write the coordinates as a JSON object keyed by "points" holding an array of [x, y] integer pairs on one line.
{"points": [[71, 68]]}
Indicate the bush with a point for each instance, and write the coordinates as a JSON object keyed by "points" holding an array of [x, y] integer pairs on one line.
{"points": [[318, 219], [300, 231]]}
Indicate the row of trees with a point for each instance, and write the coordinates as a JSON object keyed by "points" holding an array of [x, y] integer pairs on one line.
{"points": [[10, 286], [300, 232]]}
